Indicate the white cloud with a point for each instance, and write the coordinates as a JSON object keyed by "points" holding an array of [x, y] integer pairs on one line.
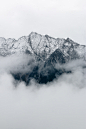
{"points": [[57, 106], [16, 63], [60, 104]]}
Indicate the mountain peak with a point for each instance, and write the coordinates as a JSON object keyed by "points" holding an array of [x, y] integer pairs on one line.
{"points": [[41, 46], [34, 33]]}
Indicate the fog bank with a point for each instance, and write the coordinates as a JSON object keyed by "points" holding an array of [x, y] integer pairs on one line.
{"points": [[60, 104]]}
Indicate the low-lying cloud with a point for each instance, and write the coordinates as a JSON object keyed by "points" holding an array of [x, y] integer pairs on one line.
{"points": [[16, 63], [59, 104]]}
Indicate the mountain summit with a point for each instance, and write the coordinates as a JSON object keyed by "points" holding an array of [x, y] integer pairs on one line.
{"points": [[42, 46], [47, 51]]}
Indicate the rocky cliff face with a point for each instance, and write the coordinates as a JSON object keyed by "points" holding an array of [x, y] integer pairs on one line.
{"points": [[47, 51], [42, 46]]}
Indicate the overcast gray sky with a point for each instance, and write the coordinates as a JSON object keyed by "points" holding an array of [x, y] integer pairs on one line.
{"points": [[57, 18]]}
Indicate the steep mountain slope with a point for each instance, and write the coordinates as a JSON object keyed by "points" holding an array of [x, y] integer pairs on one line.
{"points": [[42, 46], [47, 51]]}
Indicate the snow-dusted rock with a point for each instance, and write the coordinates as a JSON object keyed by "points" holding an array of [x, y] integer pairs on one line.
{"points": [[42, 46]]}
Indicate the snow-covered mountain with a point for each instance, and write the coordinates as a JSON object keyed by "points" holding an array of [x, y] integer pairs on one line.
{"points": [[47, 51], [42, 46]]}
